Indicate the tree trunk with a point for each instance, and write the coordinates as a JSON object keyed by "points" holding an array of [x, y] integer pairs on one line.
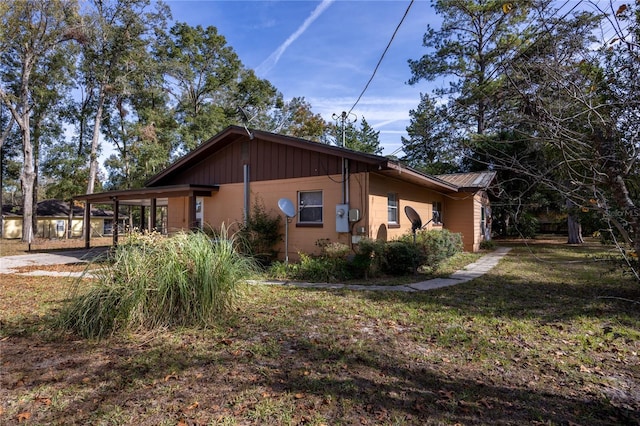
{"points": [[3, 137], [574, 226], [36, 159], [28, 174], [575, 230], [27, 180], [95, 142]]}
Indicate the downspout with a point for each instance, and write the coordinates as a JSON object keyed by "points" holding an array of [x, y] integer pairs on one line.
{"points": [[247, 193], [342, 181], [346, 181]]}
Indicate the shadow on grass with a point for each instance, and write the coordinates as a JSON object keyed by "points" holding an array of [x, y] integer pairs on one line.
{"points": [[149, 383], [314, 358], [375, 383], [527, 286], [505, 297]]}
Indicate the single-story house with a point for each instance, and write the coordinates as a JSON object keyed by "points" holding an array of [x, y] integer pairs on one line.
{"points": [[337, 194], [54, 221]]}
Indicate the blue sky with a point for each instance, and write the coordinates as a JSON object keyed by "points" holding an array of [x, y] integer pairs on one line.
{"points": [[326, 51]]}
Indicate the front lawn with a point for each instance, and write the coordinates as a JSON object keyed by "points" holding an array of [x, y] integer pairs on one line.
{"points": [[549, 336]]}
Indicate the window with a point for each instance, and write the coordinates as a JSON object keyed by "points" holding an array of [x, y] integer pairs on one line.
{"points": [[310, 207], [199, 213], [392, 208], [437, 212], [107, 227]]}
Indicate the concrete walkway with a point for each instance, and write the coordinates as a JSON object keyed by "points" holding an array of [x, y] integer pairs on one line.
{"points": [[470, 272], [9, 265]]}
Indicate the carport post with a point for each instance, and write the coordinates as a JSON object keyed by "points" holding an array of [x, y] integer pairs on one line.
{"points": [[192, 212], [116, 209], [152, 215], [87, 225], [143, 218]]}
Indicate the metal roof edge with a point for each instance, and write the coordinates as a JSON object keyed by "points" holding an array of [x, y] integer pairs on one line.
{"points": [[430, 178]]}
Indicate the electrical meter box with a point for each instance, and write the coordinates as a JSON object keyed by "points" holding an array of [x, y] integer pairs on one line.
{"points": [[354, 215], [342, 217]]}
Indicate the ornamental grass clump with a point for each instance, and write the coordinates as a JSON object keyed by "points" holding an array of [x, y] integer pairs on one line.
{"points": [[155, 281]]}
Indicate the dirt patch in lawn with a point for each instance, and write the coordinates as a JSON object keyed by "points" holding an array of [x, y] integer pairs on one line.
{"points": [[522, 345]]}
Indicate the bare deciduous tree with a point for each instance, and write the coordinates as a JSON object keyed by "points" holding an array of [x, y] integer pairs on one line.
{"points": [[578, 108]]}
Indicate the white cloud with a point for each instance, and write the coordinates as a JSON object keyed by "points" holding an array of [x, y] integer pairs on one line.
{"points": [[273, 59]]}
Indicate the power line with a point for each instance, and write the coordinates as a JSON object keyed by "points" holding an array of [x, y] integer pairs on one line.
{"points": [[381, 57]]}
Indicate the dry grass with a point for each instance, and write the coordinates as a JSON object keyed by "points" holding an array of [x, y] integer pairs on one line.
{"points": [[547, 337]]}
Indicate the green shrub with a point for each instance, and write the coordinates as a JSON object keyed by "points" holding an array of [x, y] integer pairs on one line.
{"points": [[280, 270], [487, 245], [160, 282], [316, 269], [259, 235], [367, 260], [337, 262], [401, 257], [525, 226], [330, 266], [336, 251], [439, 245], [435, 246]]}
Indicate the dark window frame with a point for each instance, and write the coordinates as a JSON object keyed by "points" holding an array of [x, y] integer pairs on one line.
{"points": [[436, 206], [393, 196], [302, 207]]}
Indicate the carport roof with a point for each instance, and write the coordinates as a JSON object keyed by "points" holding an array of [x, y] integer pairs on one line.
{"points": [[143, 196]]}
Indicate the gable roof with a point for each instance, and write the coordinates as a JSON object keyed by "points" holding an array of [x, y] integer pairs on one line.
{"points": [[232, 134], [54, 208]]}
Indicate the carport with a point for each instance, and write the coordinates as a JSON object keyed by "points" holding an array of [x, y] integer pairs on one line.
{"points": [[147, 198]]}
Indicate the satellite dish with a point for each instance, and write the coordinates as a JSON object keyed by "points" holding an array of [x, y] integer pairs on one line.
{"points": [[287, 207], [414, 218], [289, 210]]}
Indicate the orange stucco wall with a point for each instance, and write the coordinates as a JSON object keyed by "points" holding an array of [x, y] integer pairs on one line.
{"points": [[367, 193], [227, 206], [464, 213], [459, 218], [419, 198], [177, 214]]}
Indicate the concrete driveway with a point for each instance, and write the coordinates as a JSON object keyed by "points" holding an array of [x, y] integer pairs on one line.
{"points": [[9, 264]]}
